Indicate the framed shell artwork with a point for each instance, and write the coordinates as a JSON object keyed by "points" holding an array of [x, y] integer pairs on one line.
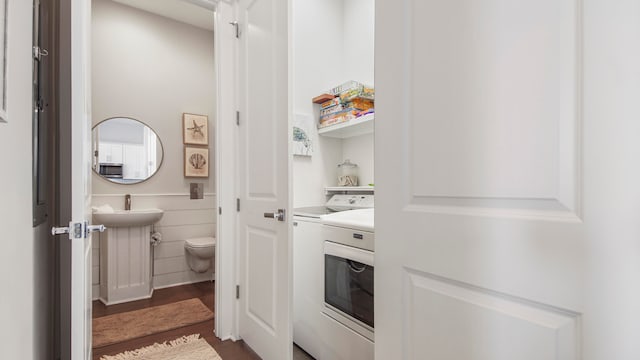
{"points": [[196, 162], [195, 130]]}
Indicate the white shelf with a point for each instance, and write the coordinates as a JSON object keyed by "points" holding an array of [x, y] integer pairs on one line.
{"points": [[358, 126], [333, 189]]}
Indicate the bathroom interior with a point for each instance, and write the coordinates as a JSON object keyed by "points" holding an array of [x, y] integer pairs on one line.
{"points": [[153, 101]]}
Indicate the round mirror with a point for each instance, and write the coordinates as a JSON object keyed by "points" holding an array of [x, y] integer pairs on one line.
{"points": [[125, 150]]}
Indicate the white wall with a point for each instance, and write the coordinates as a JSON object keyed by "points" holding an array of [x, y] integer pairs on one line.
{"points": [[333, 43], [317, 32], [154, 69], [359, 150], [358, 54], [358, 46], [17, 303]]}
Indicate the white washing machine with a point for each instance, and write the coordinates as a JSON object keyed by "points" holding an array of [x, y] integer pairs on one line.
{"points": [[348, 277], [310, 325]]}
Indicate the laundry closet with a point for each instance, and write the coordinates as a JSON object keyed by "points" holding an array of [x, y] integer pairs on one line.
{"points": [[333, 147]]}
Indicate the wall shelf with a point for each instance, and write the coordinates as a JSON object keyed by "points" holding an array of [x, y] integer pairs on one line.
{"points": [[358, 126], [329, 190]]}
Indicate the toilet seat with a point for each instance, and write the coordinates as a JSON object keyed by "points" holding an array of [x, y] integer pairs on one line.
{"points": [[201, 242]]}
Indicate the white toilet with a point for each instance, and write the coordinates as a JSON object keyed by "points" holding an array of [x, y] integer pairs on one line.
{"points": [[200, 253]]}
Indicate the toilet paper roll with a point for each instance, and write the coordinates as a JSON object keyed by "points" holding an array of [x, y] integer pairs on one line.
{"points": [[156, 237]]}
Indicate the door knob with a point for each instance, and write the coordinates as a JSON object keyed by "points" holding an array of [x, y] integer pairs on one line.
{"points": [[279, 215]]}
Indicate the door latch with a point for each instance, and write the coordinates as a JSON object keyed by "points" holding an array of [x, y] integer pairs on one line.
{"points": [[77, 230], [278, 215]]}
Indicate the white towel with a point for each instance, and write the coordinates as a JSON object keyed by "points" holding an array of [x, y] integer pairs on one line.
{"points": [[106, 208]]}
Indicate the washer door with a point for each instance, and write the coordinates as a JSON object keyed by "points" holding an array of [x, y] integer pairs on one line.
{"points": [[348, 281]]}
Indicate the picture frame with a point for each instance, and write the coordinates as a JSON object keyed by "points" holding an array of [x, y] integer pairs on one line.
{"points": [[195, 129], [196, 162], [303, 125]]}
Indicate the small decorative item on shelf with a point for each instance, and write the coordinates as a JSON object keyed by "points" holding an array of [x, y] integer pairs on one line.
{"points": [[348, 174]]}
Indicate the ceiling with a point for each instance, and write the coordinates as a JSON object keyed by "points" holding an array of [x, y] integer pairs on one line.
{"points": [[198, 13]]}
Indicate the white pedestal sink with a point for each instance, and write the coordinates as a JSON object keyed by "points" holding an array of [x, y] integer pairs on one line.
{"points": [[128, 218], [125, 254]]}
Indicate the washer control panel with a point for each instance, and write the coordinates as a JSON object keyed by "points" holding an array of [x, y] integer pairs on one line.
{"points": [[340, 202]]}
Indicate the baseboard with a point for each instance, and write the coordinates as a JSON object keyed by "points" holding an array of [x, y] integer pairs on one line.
{"points": [[126, 300], [213, 277]]}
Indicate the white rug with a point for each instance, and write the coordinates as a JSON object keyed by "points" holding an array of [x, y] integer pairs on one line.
{"points": [[185, 348]]}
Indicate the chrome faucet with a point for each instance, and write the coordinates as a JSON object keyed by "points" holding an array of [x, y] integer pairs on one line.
{"points": [[127, 202]]}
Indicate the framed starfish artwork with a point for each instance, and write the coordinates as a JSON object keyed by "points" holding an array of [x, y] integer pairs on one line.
{"points": [[195, 130]]}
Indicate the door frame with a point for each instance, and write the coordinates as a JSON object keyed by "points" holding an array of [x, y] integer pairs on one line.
{"points": [[227, 255], [73, 96], [225, 48]]}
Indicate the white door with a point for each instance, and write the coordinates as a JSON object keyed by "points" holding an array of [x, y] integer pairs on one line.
{"points": [[507, 146], [75, 167], [264, 314]]}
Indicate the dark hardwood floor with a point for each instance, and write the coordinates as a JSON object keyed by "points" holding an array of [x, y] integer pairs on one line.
{"points": [[228, 350]]}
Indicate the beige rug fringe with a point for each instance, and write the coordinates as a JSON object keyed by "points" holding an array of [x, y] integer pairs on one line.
{"points": [[147, 350]]}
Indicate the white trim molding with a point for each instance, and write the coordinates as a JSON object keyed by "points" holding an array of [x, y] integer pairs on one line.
{"points": [[207, 4], [226, 326], [4, 58]]}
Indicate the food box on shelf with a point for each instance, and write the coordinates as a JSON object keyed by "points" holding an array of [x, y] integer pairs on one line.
{"points": [[330, 103], [339, 117], [331, 110], [360, 104]]}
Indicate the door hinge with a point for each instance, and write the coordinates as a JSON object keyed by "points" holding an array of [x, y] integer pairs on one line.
{"points": [[220, 210], [237, 26], [39, 52], [237, 291], [238, 204], [238, 118], [39, 105]]}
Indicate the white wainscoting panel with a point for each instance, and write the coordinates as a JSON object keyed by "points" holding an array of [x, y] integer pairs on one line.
{"points": [[95, 266], [183, 219], [448, 320]]}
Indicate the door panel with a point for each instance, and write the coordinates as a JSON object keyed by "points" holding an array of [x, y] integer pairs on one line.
{"points": [[262, 98], [261, 281], [75, 172], [449, 320], [264, 319], [496, 86], [490, 146]]}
